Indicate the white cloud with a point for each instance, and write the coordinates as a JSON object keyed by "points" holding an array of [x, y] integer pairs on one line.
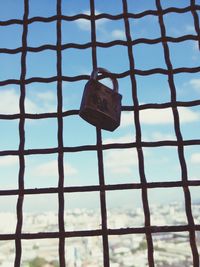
{"points": [[85, 24], [69, 169], [155, 136], [195, 158], [185, 29], [9, 102], [196, 46], [31, 107], [196, 54], [189, 28], [50, 169], [41, 105], [47, 101], [161, 116], [120, 161], [7, 161], [46, 96], [187, 115], [158, 136], [176, 31], [118, 34], [127, 118], [153, 116], [194, 178], [43, 102], [122, 139], [195, 83]]}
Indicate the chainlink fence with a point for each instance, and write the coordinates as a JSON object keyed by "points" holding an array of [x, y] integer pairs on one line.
{"points": [[169, 71]]}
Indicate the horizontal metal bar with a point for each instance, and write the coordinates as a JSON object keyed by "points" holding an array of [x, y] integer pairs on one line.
{"points": [[99, 188], [114, 75], [100, 44], [100, 16], [76, 111], [98, 232], [105, 147]]}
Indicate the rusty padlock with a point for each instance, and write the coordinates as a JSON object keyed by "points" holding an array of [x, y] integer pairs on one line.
{"points": [[101, 106]]}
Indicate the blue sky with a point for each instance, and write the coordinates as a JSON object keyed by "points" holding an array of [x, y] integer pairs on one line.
{"points": [[121, 166]]}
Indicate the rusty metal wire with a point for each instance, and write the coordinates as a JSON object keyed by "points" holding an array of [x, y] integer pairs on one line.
{"points": [[102, 188]]}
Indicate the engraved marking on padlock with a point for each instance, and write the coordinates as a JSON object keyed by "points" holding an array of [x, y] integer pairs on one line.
{"points": [[101, 103]]}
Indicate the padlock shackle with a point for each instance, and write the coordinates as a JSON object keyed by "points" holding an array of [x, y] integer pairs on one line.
{"points": [[102, 70]]}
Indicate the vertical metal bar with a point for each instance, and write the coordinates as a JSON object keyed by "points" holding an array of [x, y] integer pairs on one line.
{"points": [[138, 138], [182, 161], [18, 245], [196, 20], [93, 34], [100, 152], [61, 203]]}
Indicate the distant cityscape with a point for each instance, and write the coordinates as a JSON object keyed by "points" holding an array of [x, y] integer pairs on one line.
{"points": [[170, 249]]}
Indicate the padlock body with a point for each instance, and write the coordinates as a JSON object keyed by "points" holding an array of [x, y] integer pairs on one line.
{"points": [[101, 106]]}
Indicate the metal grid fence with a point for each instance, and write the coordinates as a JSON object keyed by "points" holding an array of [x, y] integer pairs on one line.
{"points": [[102, 188]]}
